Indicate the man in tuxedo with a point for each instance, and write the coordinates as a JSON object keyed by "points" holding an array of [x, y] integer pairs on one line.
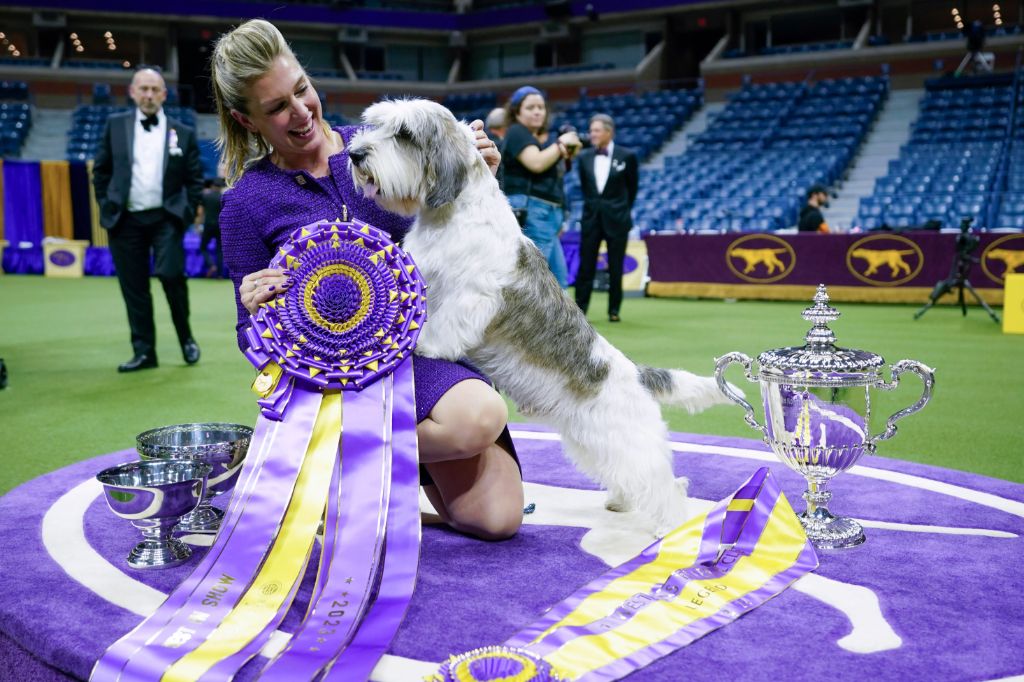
{"points": [[148, 179], [609, 176]]}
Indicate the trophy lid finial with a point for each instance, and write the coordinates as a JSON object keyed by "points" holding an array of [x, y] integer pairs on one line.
{"points": [[820, 356], [821, 313]]}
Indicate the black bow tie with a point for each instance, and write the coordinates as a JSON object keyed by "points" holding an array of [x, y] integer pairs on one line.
{"points": [[602, 151], [149, 121]]}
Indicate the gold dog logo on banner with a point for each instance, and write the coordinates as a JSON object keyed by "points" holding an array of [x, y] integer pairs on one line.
{"points": [[1009, 251], [884, 260], [760, 258]]}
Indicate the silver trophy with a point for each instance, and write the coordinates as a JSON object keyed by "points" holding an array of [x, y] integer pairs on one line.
{"points": [[222, 446], [153, 496], [817, 406]]}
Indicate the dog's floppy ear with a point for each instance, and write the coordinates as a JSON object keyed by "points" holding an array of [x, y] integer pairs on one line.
{"points": [[446, 162]]}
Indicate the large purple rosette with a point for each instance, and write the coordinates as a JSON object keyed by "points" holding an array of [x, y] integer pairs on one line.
{"points": [[352, 313], [345, 327]]}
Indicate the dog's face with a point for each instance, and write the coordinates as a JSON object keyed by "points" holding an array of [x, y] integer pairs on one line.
{"points": [[413, 155]]}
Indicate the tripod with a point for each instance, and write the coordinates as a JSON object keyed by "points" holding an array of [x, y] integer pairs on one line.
{"points": [[957, 278]]}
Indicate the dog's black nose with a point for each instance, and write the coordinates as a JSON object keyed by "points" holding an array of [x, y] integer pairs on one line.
{"points": [[357, 155]]}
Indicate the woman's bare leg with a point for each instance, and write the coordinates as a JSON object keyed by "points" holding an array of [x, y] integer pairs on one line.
{"points": [[477, 486]]}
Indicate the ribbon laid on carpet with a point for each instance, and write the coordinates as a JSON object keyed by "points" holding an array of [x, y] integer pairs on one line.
{"points": [[705, 574], [347, 325]]}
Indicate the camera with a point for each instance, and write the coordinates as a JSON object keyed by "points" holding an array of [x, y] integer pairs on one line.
{"points": [[966, 242], [975, 34], [569, 128]]}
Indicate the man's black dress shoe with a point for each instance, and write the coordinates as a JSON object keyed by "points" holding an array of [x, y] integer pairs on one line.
{"points": [[140, 361], [190, 351]]}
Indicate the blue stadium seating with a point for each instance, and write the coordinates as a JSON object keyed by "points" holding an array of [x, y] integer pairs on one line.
{"points": [[24, 61], [556, 70], [954, 165], [15, 117], [799, 48], [471, 105], [88, 121], [750, 170], [643, 122]]}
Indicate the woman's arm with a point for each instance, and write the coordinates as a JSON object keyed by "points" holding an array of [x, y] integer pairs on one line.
{"points": [[538, 160], [245, 255]]}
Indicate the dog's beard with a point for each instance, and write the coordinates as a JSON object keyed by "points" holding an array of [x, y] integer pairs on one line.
{"points": [[390, 198]]}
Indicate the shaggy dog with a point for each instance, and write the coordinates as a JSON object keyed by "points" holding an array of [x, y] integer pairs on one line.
{"points": [[493, 300]]}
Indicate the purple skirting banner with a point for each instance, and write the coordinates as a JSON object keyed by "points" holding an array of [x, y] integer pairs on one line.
{"points": [[879, 266]]}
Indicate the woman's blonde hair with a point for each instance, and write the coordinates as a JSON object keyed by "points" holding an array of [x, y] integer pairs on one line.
{"points": [[240, 58]]}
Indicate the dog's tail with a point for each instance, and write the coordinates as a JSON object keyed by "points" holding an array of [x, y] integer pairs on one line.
{"points": [[681, 388]]}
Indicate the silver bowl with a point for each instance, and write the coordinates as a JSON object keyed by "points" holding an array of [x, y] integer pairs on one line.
{"points": [[153, 496], [222, 446]]}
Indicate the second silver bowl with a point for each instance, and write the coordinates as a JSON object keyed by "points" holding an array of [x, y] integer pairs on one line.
{"points": [[222, 446]]}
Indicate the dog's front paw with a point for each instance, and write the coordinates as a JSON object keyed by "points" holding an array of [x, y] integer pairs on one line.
{"points": [[427, 348], [617, 502], [431, 344]]}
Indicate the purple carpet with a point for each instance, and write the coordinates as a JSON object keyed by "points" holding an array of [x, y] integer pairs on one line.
{"points": [[936, 591]]}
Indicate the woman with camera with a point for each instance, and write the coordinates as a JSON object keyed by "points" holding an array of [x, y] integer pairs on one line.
{"points": [[533, 174]]}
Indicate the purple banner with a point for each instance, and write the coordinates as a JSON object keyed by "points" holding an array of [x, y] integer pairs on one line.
{"points": [[353, 541], [401, 559], [873, 262]]}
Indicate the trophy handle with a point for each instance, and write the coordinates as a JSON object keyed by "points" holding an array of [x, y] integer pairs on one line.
{"points": [[927, 375], [723, 385]]}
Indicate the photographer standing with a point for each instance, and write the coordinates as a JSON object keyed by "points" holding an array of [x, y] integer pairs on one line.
{"points": [[533, 174], [811, 218]]}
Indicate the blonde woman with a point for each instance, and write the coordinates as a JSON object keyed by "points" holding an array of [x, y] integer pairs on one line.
{"points": [[286, 168]]}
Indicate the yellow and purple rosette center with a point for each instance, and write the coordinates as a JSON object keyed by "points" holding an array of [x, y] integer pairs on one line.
{"points": [[496, 664], [352, 313]]}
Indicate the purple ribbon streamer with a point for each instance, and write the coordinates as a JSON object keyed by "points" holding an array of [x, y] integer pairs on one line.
{"points": [[237, 552], [349, 570], [806, 561], [113, 660], [754, 524], [403, 544], [226, 668]]}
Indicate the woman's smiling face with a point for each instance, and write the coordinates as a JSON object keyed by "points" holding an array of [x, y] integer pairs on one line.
{"points": [[284, 109]]}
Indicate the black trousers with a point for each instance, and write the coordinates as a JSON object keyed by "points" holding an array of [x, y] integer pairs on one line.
{"points": [[211, 233], [590, 244], [136, 238]]}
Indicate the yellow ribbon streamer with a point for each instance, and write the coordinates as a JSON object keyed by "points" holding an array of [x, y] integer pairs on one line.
{"points": [[286, 560], [777, 549]]}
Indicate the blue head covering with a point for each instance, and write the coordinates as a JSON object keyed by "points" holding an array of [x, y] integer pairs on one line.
{"points": [[520, 94]]}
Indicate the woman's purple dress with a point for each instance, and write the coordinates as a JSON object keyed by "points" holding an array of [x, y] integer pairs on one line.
{"points": [[267, 203]]}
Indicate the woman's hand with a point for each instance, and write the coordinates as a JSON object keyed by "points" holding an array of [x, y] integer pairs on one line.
{"points": [[486, 147], [572, 143], [261, 286]]}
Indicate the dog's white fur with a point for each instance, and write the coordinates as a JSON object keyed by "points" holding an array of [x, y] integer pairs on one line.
{"points": [[490, 296]]}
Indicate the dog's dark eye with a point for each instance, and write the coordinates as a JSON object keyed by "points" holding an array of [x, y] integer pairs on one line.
{"points": [[404, 134]]}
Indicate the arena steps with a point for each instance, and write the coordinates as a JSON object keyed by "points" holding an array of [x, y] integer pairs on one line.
{"points": [[890, 132], [48, 135], [678, 143]]}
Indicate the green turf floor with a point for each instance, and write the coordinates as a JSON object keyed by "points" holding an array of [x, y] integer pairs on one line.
{"points": [[63, 338]]}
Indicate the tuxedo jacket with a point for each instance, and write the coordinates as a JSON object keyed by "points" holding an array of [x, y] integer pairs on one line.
{"points": [[112, 170], [609, 209]]}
